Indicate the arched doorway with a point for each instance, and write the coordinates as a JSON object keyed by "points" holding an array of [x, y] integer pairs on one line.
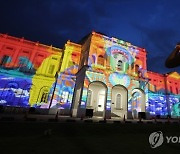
{"points": [[119, 97], [96, 99], [138, 102]]}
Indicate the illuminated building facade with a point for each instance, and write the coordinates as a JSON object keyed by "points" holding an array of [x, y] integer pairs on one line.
{"points": [[105, 75]]}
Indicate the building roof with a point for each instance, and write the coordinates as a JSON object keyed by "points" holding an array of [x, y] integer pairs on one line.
{"points": [[27, 42], [175, 75]]}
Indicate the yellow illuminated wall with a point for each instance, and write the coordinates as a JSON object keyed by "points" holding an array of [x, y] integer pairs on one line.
{"points": [[64, 90], [27, 72], [36, 75]]}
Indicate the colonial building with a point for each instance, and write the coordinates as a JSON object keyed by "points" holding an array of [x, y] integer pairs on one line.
{"points": [[101, 74]]}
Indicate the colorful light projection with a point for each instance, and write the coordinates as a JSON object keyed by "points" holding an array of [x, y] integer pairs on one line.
{"points": [[135, 102], [176, 110], [29, 79], [158, 104], [111, 64], [117, 78], [41, 88], [62, 98], [90, 78], [163, 101], [174, 102], [64, 90], [26, 75], [15, 91], [120, 58]]}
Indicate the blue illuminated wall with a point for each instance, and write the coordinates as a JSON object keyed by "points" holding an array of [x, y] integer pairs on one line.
{"points": [[43, 76], [14, 91], [163, 105], [27, 72]]}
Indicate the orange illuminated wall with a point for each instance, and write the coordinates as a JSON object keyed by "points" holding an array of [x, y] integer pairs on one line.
{"points": [[168, 83], [156, 82], [173, 84], [34, 74], [27, 71]]}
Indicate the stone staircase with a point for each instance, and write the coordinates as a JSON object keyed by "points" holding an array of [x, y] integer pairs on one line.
{"points": [[100, 114]]}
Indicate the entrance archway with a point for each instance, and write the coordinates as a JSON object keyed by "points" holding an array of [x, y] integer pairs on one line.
{"points": [[138, 102], [119, 97], [96, 99]]}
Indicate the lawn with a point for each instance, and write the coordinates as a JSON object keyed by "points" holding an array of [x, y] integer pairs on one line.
{"points": [[69, 137]]}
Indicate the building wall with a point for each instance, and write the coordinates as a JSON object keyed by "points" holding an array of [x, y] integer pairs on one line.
{"points": [[27, 71], [164, 98], [106, 70], [64, 90], [33, 74]]}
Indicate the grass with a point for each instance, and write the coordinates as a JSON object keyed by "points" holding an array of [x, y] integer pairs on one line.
{"points": [[67, 138]]}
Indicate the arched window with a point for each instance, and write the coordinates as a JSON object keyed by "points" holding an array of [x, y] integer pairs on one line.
{"points": [[119, 65], [5, 59], [44, 97], [64, 97], [51, 69], [23, 64], [135, 101], [118, 101], [89, 98], [136, 68], [100, 60]]}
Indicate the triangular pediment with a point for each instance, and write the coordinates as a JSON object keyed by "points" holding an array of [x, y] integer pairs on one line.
{"points": [[175, 75]]}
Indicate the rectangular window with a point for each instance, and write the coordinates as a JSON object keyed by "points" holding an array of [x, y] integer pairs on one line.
{"points": [[54, 58], [132, 66], [136, 68], [40, 55], [51, 69], [89, 98], [9, 48], [155, 88], [25, 51], [23, 61], [44, 97], [177, 92], [171, 90], [118, 101], [119, 65], [38, 59], [100, 60], [5, 59], [24, 64]]}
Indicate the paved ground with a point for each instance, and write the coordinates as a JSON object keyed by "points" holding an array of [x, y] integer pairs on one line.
{"points": [[60, 118], [67, 135]]}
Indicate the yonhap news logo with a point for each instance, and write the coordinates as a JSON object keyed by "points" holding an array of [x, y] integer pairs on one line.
{"points": [[156, 139]]}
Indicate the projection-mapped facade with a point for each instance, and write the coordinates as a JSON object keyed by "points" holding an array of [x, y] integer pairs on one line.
{"points": [[106, 75]]}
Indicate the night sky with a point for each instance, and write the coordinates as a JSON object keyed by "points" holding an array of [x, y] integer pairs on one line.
{"points": [[151, 24]]}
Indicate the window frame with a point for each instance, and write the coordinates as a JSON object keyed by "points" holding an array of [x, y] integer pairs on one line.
{"points": [[100, 60]]}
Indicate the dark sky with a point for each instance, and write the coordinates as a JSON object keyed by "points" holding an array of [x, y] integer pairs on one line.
{"points": [[152, 24]]}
